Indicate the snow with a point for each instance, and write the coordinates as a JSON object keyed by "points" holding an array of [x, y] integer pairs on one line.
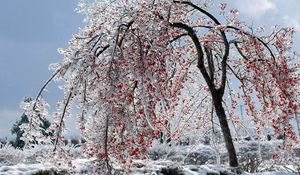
{"points": [[22, 169], [273, 173], [140, 168], [31, 161]]}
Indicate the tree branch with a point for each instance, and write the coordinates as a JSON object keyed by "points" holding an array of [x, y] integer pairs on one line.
{"points": [[210, 62], [101, 51], [226, 44], [62, 119], [200, 55], [259, 39], [178, 37], [44, 86]]}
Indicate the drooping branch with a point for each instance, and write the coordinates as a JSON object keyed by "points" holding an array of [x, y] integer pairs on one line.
{"points": [[127, 26], [101, 51], [259, 39], [178, 37], [44, 86], [119, 41], [40, 93], [106, 145], [62, 119], [96, 43], [225, 41], [245, 57], [235, 73], [239, 50], [199, 9], [200, 55], [84, 100]]}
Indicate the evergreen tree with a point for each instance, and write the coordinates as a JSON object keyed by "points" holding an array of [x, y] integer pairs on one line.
{"points": [[18, 143], [18, 132]]}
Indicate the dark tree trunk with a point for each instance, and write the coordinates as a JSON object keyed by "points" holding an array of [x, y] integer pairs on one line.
{"points": [[217, 93], [217, 101]]}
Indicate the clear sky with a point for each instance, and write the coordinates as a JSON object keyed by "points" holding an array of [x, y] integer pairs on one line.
{"points": [[32, 30]]}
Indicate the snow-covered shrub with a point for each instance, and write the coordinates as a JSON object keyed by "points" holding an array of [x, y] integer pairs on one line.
{"points": [[191, 155], [177, 158], [263, 150], [178, 153], [252, 154], [158, 150], [51, 172], [171, 170], [60, 160], [9, 155], [38, 154], [165, 151], [201, 155], [296, 151]]}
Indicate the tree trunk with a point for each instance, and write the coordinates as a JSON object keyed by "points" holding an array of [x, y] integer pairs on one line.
{"points": [[217, 100]]}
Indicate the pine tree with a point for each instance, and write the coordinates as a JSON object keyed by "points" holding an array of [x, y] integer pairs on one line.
{"points": [[19, 143]]}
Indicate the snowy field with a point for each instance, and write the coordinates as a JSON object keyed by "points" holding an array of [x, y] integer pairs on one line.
{"points": [[163, 160], [155, 168]]}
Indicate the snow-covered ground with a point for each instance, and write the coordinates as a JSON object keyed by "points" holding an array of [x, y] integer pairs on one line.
{"points": [[21, 169], [165, 161], [144, 168]]}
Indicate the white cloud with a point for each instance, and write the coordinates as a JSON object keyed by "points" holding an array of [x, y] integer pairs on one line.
{"points": [[292, 22], [256, 8]]}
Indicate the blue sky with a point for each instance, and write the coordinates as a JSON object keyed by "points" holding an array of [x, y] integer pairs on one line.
{"points": [[30, 33], [32, 30]]}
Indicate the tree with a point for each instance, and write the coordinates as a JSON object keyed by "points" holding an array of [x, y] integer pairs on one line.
{"points": [[18, 143], [17, 128], [128, 69]]}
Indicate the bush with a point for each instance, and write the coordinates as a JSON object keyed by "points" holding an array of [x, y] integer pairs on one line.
{"points": [[190, 155], [171, 170], [158, 151], [201, 155], [51, 172], [9, 155]]}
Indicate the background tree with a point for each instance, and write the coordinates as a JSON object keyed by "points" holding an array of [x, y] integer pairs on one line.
{"points": [[127, 70], [18, 131], [18, 143]]}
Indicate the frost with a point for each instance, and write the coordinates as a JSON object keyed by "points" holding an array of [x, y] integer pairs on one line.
{"points": [[146, 81]]}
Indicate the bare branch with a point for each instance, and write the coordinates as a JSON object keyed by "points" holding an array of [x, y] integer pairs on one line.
{"points": [[62, 119], [44, 86], [199, 9], [200, 55], [226, 44]]}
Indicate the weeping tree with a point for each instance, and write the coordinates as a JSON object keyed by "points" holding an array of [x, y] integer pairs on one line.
{"points": [[127, 71]]}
